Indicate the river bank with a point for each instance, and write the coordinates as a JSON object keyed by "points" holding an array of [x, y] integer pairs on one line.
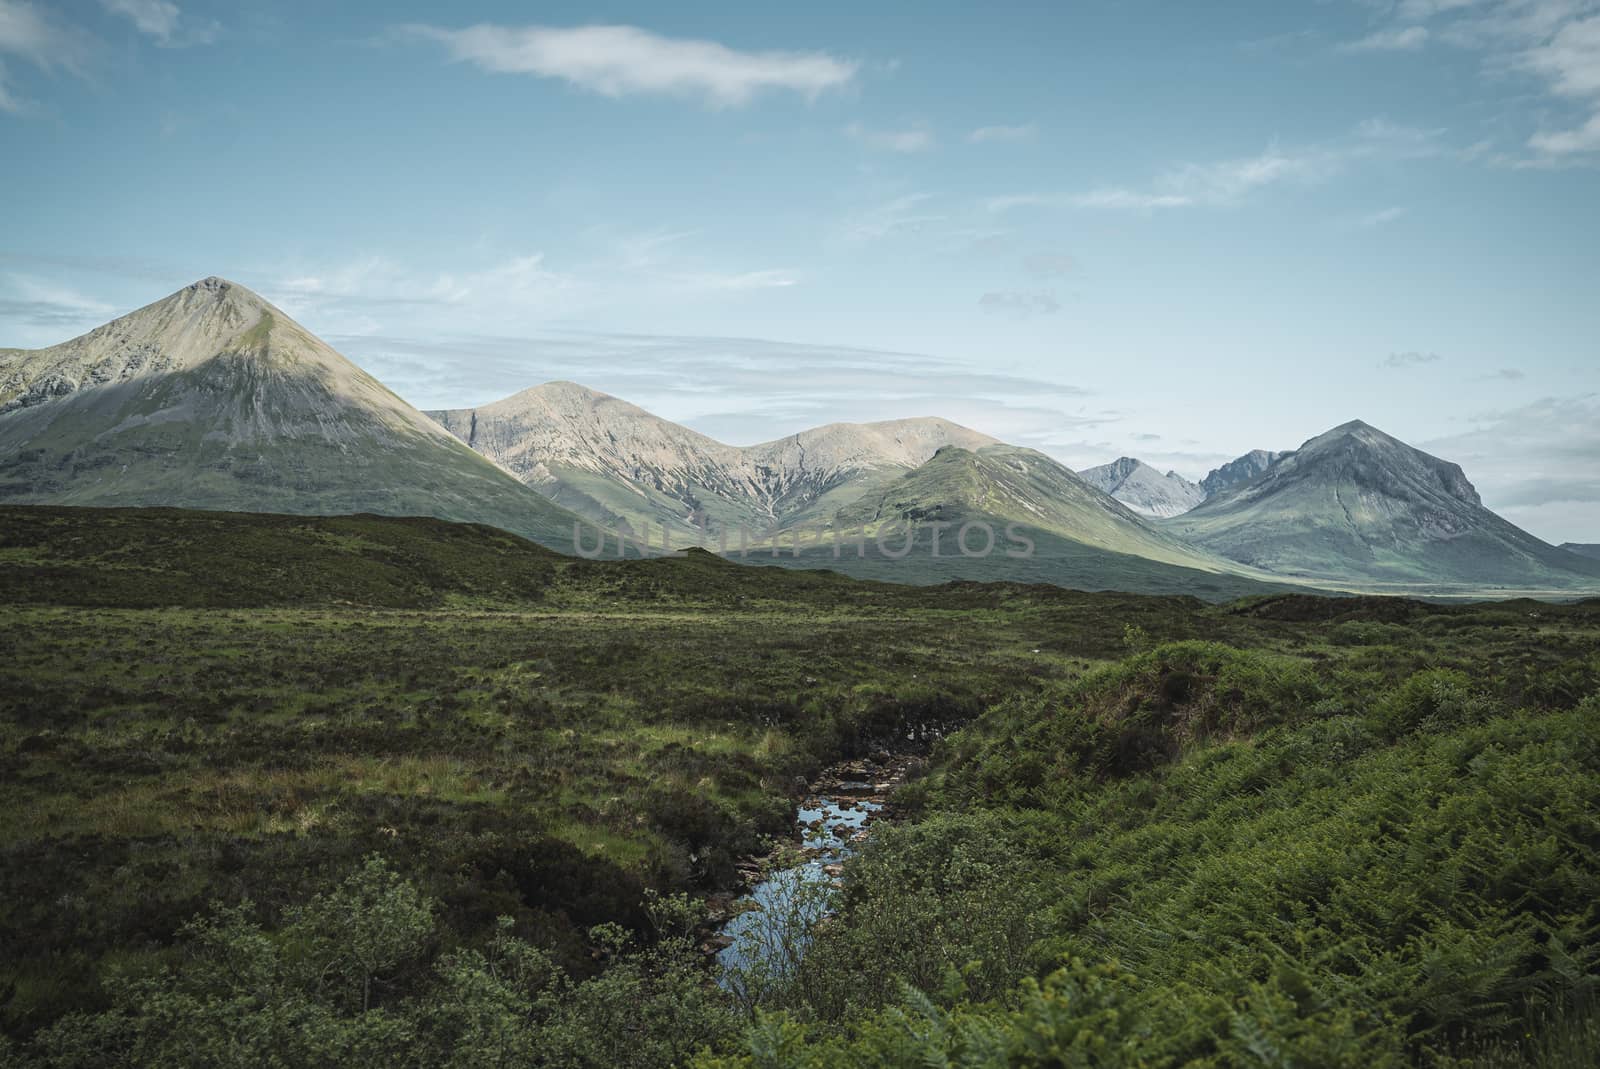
{"points": [[787, 891]]}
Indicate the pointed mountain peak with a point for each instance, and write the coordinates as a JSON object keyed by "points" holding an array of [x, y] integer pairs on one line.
{"points": [[211, 313], [219, 291], [1356, 429], [1142, 488], [567, 387], [1377, 461], [1125, 466]]}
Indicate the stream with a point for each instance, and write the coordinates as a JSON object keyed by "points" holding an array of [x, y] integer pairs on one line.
{"points": [[770, 926]]}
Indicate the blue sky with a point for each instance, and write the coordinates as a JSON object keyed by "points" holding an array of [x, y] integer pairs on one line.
{"points": [[1176, 231]]}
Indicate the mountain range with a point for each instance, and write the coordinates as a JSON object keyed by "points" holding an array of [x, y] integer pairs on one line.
{"points": [[612, 461], [212, 398], [1148, 492]]}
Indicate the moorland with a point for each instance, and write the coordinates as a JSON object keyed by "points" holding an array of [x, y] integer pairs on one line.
{"points": [[291, 790]]}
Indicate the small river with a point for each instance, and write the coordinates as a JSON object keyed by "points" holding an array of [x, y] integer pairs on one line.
{"points": [[772, 924]]}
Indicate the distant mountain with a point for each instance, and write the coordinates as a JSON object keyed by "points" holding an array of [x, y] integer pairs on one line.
{"points": [[611, 461], [1080, 536], [1356, 506], [1582, 549], [1238, 471], [214, 399], [1144, 489]]}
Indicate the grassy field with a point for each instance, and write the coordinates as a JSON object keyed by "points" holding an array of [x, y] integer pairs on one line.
{"points": [[205, 712]]}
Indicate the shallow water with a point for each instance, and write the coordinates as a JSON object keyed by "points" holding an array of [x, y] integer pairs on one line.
{"points": [[779, 912]]}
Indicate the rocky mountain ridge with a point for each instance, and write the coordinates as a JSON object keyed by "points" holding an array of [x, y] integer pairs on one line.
{"points": [[1356, 505], [1144, 489], [613, 461]]}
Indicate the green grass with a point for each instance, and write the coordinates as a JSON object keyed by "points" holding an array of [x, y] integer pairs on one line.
{"points": [[200, 707]]}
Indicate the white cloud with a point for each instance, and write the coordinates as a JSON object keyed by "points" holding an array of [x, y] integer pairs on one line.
{"points": [[1382, 217], [364, 296], [1570, 60], [9, 101], [916, 138], [1229, 181], [1133, 199], [1555, 41], [158, 18], [1400, 39], [988, 134], [39, 311], [1585, 138], [725, 387], [31, 34], [1538, 465], [615, 61], [163, 21]]}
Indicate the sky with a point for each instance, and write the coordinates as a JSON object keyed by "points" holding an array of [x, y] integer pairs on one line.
{"points": [[1175, 231]]}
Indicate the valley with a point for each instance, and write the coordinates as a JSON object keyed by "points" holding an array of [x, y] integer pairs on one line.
{"points": [[742, 536], [217, 728], [213, 398]]}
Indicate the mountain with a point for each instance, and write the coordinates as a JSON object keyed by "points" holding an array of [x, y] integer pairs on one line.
{"points": [[1582, 549], [1356, 506], [1080, 537], [214, 399], [1144, 489], [1238, 471], [612, 461]]}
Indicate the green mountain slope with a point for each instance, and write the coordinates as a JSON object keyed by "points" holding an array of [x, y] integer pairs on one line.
{"points": [[212, 398], [1355, 506], [1080, 537]]}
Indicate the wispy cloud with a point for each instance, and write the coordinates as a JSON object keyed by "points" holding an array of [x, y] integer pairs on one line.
{"points": [[1381, 217], [37, 36], [158, 18], [725, 386], [991, 134], [616, 61], [1226, 182], [1557, 42], [1019, 304], [1398, 39], [1580, 139], [917, 138], [1569, 61], [516, 293], [904, 214], [1411, 358], [9, 101], [1538, 465], [39, 311], [1136, 200], [163, 21]]}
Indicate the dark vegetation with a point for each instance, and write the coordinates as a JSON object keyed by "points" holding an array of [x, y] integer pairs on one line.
{"points": [[291, 791]]}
